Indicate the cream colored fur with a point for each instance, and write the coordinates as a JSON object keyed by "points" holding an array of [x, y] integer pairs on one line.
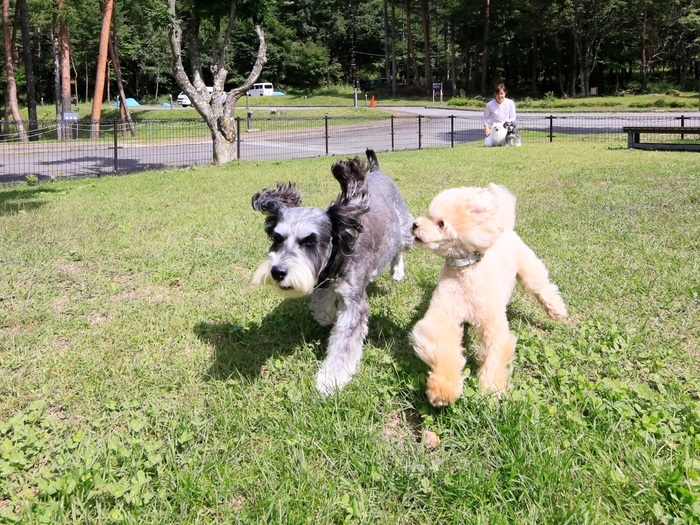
{"points": [[465, 221]]}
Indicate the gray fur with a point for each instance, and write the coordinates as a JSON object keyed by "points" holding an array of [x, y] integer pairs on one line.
{"points": [[342, 249]]}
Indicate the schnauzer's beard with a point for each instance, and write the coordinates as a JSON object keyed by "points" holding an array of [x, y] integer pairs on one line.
{"points": [[298, 282]]}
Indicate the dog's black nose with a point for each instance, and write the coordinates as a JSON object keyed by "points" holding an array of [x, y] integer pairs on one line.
{"points": [[279, 272], [414, 227]]}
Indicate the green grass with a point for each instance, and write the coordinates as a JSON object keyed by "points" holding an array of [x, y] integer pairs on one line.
{"points": [[144, 379], [338, 101], [149, 113]]}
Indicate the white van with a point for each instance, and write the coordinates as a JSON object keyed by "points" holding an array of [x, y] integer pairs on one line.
{"points": [[184, 100], [263, 89]]}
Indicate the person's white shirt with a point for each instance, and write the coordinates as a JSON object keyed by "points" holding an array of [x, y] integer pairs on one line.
{"points": [[495, 112]]}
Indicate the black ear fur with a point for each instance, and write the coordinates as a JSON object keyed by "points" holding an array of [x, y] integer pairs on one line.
{"points": [[353, 202], [373, 162], [351, 175], [270, 200]]}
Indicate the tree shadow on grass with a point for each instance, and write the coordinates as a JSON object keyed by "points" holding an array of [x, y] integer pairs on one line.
{"points": [[25, 199]]}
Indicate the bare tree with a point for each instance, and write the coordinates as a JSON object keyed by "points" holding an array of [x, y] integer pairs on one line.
{"points": [[10, 72], [218, 114]]}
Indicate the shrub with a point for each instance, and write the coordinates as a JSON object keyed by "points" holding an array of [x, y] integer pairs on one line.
{"points": [[32, 180]]}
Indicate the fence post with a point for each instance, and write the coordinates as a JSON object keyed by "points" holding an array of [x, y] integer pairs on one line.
{"points": [[238, 137], [420, 134], [551, 127], [392, 133], [452, 131], [116, 145], [325, 118], [682, 117]]}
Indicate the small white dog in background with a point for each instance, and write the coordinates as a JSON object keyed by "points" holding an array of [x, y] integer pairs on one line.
{"points": [[503, 134]]}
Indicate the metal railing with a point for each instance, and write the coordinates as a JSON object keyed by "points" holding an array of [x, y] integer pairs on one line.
{"points": [[64, 149]]}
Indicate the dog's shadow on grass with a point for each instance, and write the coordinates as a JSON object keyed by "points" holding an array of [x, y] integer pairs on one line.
{"points": [[242, 351]]}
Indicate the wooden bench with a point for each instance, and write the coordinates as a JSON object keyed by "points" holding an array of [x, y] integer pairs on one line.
{"points": [[633, 133]]}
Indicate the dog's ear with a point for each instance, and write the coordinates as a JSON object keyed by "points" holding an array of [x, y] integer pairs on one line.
{"points": [[373, 162], [505, 205], [351, 175], [271, 200]]}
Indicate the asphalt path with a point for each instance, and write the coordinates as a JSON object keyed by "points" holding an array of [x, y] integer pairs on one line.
{"points": [[84, 157]]}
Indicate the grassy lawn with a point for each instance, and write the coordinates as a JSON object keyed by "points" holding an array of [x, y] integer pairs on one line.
{"points": [[144, 379]]}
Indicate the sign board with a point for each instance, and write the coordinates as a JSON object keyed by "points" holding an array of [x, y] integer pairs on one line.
{"points": [[437, 85], [70, 116]]}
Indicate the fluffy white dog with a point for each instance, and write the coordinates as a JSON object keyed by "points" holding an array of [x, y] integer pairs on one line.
{"points": [[472, 229]]}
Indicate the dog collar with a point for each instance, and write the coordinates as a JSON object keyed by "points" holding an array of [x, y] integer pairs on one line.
{"points": [[459, 262]]}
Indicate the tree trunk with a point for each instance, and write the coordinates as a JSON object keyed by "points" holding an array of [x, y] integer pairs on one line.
{"points": [[393, 48], [56, 49], [453, 60], [10, 73], [114, 54], [428, 67], [29, 69], [533, 85], [409, 36], [65, 61], [101, 68], [485, 54], [644, 69], [387, 58], [560, 76]]}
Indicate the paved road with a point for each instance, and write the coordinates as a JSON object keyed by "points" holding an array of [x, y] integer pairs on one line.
{"points": [[405, 131]]}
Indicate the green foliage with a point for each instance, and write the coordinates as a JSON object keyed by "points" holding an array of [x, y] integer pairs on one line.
{"points": [[308, 65]]}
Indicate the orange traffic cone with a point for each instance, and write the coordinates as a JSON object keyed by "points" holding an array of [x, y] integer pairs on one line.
{"points": [[371, 102]]}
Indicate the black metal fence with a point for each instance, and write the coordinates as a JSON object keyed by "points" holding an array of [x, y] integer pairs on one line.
{"points": [[54, 149]]}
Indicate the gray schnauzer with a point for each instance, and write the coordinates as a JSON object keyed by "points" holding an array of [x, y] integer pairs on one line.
{"points": [[512, 135], [334, 254]]}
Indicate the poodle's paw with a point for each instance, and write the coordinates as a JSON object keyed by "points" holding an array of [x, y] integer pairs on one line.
{"points": [[495, 382], [557, 311], [443, 390]]}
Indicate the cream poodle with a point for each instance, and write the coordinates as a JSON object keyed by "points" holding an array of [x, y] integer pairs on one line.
{"points": [[472, 229]]}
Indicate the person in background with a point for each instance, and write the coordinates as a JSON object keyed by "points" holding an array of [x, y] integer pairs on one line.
{"points": [[500, 109]]}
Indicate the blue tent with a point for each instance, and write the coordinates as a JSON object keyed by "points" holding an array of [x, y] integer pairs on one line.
{"points": [[130, 102]]}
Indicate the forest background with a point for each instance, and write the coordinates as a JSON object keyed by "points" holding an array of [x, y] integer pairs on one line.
{"points": [[563, 47]]}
